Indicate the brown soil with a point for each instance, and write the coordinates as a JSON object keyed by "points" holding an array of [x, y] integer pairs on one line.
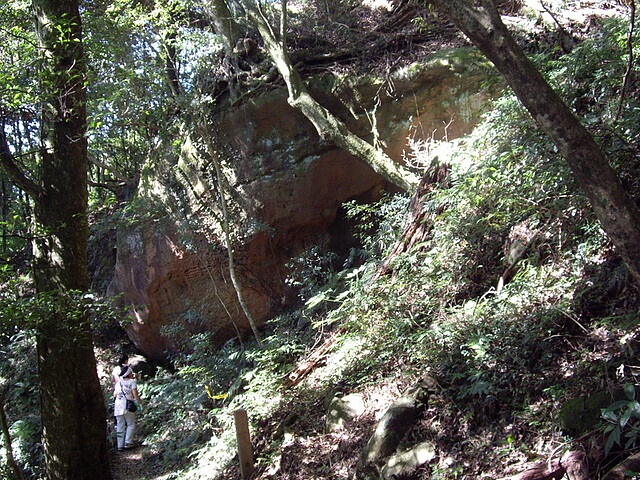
{"points": [[133, 465]]}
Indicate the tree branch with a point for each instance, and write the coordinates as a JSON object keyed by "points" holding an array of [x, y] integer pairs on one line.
{"points": [[326, 124], [14, 172], [630, 61], [113, 187], [114, 171]]}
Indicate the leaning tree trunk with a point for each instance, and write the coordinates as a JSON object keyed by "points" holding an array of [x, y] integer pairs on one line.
{"points": [[618, 214], [73, 412], [325, 123], [419, 222]]}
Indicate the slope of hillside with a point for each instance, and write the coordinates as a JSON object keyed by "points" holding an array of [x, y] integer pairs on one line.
{"points": [[495, 287]]}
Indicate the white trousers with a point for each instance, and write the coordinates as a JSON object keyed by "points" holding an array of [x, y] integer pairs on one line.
{"points": [[125, 428]]}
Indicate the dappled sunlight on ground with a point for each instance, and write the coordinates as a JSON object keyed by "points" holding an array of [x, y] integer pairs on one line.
{"points": [[133, 465]]}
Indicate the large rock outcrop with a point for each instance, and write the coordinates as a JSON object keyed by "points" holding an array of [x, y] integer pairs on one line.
{"points": [[286, 188]]}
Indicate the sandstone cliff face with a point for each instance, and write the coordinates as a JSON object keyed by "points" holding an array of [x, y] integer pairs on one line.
{"points": [[286, 187]]}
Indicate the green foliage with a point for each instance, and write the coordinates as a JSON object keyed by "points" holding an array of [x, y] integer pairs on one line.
{"points": [[19, 386], [379, 225], [129, 106], [505, 178], [186, 415], [18, 50], [280, 351], [19, 99], [590, 76], [22, 309], [620, 421], [311, 270], [590, 79], [328, 288], [489, 356], [20, 390], [439, 312]]}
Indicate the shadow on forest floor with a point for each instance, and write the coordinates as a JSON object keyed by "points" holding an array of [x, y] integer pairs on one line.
{"points": [[131, 465]]}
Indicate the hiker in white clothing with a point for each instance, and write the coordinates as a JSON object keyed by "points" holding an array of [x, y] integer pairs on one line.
{"points": [[125, 393]]}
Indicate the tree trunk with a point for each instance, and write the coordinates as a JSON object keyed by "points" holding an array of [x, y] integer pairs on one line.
{"points": [[169, 56], [73, 412], [225, 24], [215, 159], [624, 470], [618, 214], [419, 222], [325, 123], [6, 436]]}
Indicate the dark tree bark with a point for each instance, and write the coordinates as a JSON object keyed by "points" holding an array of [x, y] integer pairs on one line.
{"points": [[170, 56], [419, 223], [618, 214], [72, 405], [6, 437], [626, 469]]}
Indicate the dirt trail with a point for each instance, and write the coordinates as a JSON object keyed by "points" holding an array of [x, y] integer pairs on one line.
{"points": [[131, 465]]}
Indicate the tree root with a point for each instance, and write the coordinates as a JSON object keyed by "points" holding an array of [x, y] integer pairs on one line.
{"points": [[573, 465], [621, 471]]}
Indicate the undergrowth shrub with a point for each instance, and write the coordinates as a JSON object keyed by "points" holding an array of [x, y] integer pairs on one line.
{"points": [[440, 309], [20, 392], [379, 225], [491, 352], [619, 421], [591, 79], [188, 423], [311, 271]]}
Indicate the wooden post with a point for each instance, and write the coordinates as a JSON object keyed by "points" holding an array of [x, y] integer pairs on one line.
{"points": [[245, 450]]}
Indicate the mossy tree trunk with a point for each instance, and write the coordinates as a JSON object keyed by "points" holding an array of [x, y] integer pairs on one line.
{"points": [[326, 124], [618, 214], [225, 24], [72, 405]]}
